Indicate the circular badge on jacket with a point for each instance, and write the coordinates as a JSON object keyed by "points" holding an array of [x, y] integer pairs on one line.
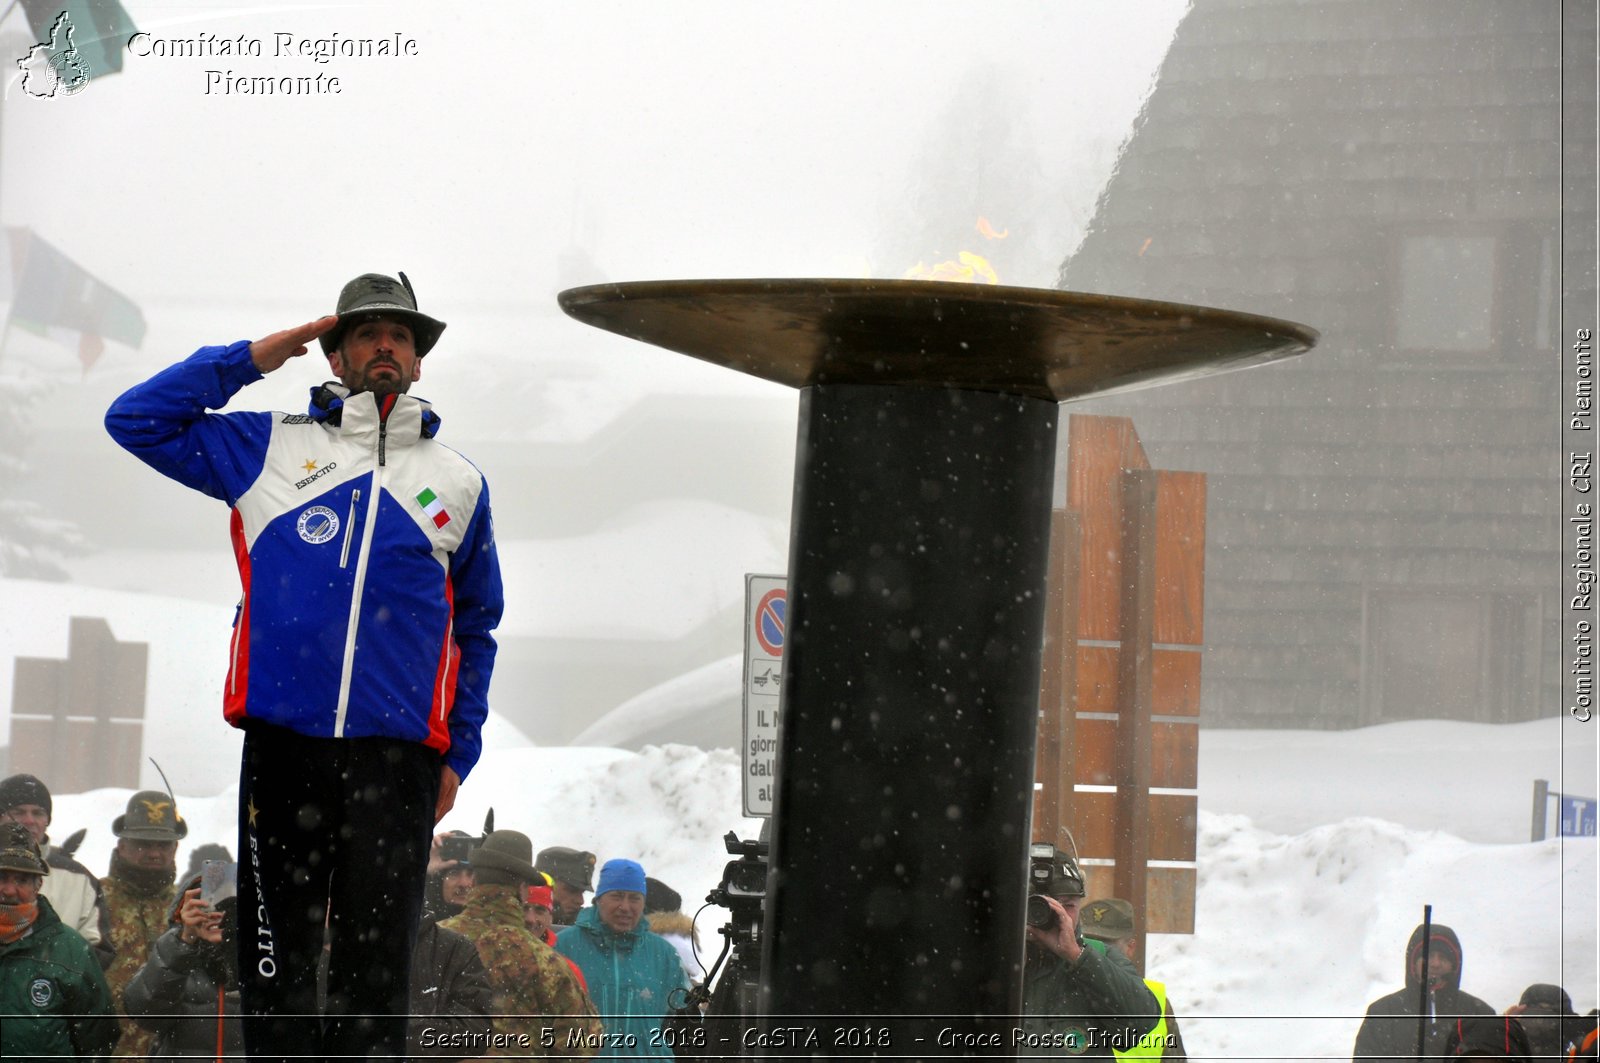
{"points": [[40, 992], [318, 524]]}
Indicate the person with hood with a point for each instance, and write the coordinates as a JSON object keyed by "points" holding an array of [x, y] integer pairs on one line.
{"points": [[74, 893], [362, 652], [539, 1008], [1390, 1029], [187, 993], [141, 894], [1489, 1038], [631, 972], [1546, 1014], [52, 991], [1078, 996]]}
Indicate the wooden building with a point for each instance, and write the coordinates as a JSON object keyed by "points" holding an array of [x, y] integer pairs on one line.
{"points": [[1384, 522]]}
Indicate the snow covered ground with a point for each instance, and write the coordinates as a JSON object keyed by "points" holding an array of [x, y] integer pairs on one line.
{"points": [[1317, 852]]}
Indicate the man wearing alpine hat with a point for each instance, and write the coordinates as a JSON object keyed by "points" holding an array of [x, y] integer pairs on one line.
{"points": [[140, 889], [361, 654], [52, 993], [1110, 921], [571, 874], [539, 1002]]}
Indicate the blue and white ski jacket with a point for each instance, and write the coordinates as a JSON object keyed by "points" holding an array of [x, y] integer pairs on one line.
{"points": [[365, 550]]}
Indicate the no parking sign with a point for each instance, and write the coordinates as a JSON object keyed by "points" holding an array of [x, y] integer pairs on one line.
{"points": [[766, 611]]}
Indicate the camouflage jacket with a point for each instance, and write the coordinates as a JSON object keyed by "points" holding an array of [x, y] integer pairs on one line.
{"points": [[539, 1008], [137, 919]]}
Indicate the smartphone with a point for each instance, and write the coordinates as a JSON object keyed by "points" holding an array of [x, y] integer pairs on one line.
{"points": [[455, 848], [219, 881]]}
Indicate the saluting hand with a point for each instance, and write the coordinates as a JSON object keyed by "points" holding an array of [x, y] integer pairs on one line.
{"points": [[269, 352]]}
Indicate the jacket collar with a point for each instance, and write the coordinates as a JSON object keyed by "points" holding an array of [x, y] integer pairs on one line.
{"points": [[409, 419], [494, 904]]}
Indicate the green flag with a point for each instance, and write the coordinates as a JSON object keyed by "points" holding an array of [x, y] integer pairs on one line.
{"points": [[52, 296]]}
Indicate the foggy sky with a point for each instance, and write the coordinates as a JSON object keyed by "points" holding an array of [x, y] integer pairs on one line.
{"points": [[661, 140]]}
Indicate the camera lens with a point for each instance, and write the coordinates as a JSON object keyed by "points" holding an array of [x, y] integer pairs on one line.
{"points": [[1040, 914]]}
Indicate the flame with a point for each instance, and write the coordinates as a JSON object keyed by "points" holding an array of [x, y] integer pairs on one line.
{"points": [[969, 268], [988, 230]]}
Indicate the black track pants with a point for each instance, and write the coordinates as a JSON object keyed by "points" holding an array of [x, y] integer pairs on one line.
{"points": [[335, 829]]}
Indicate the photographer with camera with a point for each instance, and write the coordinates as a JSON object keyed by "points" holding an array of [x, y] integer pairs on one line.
{"points": [[1079, 999]]}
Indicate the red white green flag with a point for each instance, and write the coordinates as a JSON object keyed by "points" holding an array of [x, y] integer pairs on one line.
{"points": [[52, 296], [433, 507]]}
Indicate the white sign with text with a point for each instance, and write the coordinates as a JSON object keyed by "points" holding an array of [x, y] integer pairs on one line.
{"points": [[766, 610]]}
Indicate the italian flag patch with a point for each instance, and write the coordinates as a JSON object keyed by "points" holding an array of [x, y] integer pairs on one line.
{"points": [[433, 507]]}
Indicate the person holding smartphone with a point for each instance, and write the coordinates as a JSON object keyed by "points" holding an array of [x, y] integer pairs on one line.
{"points": [[187, 992], [450, 875]]}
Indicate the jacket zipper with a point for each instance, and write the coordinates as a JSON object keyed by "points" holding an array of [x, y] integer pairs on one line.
{"points": [[233, 651], [349, 528], [359, 586]]}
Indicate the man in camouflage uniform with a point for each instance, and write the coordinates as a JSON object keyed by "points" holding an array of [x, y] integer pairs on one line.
{"points": [[140, 889], [539, 1007]]}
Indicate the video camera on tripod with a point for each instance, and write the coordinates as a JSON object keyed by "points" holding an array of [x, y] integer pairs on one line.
{"points": [[743, 891]]}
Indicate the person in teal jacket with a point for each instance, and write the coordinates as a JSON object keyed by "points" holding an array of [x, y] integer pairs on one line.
{"points": [[631, 972], [54, 1002]]}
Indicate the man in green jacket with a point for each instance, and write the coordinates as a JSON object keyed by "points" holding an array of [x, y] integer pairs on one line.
{"points": [[53, 997], [1078, 998], [1110, 920]]}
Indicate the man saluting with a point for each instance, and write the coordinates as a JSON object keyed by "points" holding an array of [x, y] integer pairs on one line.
{"points": [[361, 654]]}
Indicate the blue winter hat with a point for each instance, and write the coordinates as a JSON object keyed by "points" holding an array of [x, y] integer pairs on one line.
{"points": [[621, 874]]}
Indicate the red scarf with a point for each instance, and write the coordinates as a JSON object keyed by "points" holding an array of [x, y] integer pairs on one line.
{"points": [[15, 919]]}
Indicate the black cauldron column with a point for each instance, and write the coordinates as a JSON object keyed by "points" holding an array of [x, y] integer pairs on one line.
{"points": [[917, 561]]}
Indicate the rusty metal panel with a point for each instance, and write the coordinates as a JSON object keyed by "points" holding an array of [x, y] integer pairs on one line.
{"points": [[1134, 742], [1055, 760], [1174, 760], [1175, 681], [1171, 825], [1169, 896], [1180, 557], [1099, 449]]}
